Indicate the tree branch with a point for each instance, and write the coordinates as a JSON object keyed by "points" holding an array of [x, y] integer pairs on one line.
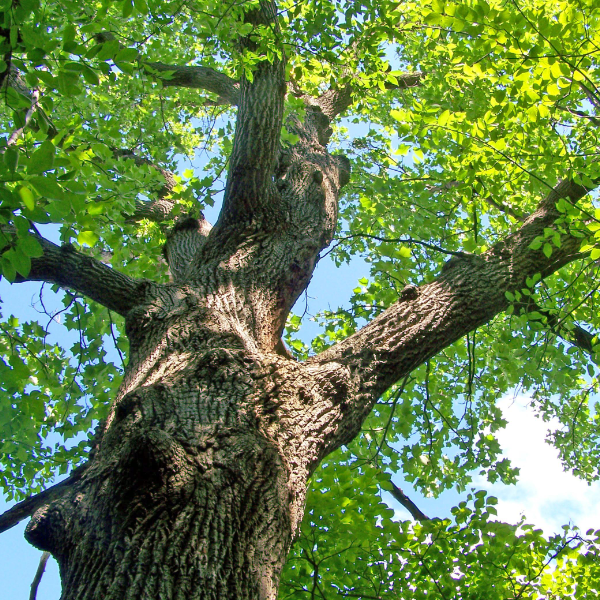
{"points": [[335, 101], [408, 504], [27, 507], [183, 243], [66, 267], [38, 575], [250, 188], [198, 78], [469, 292], [228, 90], [157, 210], [578, 336], [193, 76], [402, 240], [161, 208], [17, 133]]}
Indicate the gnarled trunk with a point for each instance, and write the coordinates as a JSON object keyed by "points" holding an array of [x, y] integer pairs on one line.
{"points": [[198, 482], [192, 493]]}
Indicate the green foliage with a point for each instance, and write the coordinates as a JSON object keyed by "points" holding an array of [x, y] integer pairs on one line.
{"points": [[506, 108], [351, 545]]}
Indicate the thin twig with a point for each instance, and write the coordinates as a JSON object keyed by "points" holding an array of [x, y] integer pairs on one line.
{"points": [[406, 240], [408, 504], [38, 575], [17, 133], [114, 338]]}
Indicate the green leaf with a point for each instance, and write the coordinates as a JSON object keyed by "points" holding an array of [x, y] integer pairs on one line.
{"points": [[27, 197], [87, 237], [141, 6], [42, 159], [8, 269], [15, 99], [48, 187], [127, 55], [11, 159], [97, 208], [90, 75], [127, 8], [14, 36], [21, 262], [537, 243], [68, 83], [30, 246]]}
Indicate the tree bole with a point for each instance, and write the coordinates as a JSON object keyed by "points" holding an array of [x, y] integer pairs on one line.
{"points": [[198, 483]]}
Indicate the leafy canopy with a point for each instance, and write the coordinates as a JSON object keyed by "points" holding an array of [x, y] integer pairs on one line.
{"points": [[505, 108]]}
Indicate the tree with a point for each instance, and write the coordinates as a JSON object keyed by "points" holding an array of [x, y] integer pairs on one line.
{"points": [[468, 190]]}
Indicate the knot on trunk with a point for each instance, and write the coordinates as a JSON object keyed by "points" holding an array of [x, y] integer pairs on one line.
{"points": [[184, 241], [151, 462], [344, 169], [46, 528]]}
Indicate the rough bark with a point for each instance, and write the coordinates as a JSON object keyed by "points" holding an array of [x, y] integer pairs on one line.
{"points": [[199, 77], [196, 486]]}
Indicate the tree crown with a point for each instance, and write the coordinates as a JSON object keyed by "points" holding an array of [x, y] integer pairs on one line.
{"points": [[460, 119]]}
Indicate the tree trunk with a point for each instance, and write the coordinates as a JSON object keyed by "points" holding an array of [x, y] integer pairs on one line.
{"points": [[198, 483]]}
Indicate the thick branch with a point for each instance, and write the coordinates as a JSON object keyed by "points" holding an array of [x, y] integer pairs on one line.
{"points": [[66, 267], [250, 189], [195, 77], [469, 292], [161, 208], [157, 211], [27, 507], [198, 78], [183, 243]]}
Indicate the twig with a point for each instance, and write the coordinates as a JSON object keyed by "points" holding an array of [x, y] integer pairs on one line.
{"points": [[38, 575], [17, 133], [406, 240]]}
